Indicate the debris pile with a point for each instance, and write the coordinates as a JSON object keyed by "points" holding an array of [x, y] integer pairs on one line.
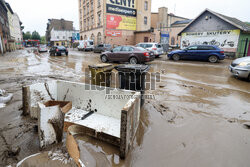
{"points": [[4, 98]]}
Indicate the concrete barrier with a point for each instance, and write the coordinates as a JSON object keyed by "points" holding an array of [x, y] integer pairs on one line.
{"points": [[114, 120]]}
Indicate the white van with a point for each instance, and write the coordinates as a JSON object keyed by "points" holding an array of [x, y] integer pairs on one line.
{"points": [[86, 45]]}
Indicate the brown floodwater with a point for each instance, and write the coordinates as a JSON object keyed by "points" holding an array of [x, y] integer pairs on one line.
{"points": [[198, 117]]}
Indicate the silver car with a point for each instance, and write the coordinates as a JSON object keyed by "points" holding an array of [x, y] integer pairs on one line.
{"points": [[156, 48], [241, 68]]}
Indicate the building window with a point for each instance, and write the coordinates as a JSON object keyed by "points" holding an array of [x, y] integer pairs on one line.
{"points": [[88, 22], [87, 8], [145, 20], [92, 20], [58, 37], [84, 11], [92, 6], [85, 37], [172, 41], [99, 3], [99, 19], [146, 5], [80, 3], [99, 38]]}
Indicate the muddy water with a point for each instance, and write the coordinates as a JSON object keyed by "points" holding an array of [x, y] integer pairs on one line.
{"points": [[198, 116]]}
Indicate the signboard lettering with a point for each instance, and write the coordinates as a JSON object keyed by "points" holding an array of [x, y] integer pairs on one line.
{"points": [[122, 7], [226, 39]]}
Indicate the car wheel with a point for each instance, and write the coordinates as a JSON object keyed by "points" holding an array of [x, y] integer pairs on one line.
{"points": [[176, 57], [133, 60], [249, 77], [213, 59], [104, 59]]}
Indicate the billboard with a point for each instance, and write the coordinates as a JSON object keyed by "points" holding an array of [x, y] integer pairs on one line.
{"points": [[121, 22], [122, 7], [113, 33], [225, 39]]}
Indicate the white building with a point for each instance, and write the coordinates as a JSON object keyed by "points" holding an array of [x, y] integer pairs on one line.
{"points": [[17, 32], [62, 37]]}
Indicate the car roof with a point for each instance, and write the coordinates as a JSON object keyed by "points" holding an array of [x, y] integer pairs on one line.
{"points": [[148, 43]]}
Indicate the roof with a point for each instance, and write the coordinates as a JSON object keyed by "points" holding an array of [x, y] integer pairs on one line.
{"points": [[172, 15], [233, 21], [182, 22], [9, 7], [61, 24], [243, 26], [2, 3]]}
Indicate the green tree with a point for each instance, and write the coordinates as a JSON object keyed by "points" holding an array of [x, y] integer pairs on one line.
{"points": [[43, 40], [27, 35], [35, 36]]}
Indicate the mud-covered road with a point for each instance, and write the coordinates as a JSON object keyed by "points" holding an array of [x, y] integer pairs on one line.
{"points": [[200, 115]]}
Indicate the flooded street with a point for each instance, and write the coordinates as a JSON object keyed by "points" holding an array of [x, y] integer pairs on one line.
{"points": [[200, 115]]}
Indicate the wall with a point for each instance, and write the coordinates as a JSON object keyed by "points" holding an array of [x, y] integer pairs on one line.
{"points": [[213, 24], [173, 34], [141, 13], [139, 37], [128, 38], [225, 39], [154, 20]]}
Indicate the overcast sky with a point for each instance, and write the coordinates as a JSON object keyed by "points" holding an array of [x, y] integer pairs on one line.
{"points": [[35, 13]]}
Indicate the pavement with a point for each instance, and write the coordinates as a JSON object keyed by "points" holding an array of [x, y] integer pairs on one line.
{"points": [[200, 114]]}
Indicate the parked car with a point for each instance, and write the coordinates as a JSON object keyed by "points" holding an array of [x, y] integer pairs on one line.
{"points": [[199, 52], [102, 48], [42, 48], [86, 45], [130, 54], [241, 68], [58, 51], [156, 48]]}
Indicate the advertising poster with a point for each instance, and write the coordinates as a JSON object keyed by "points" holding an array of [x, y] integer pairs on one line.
{"points": [[113, 33], [122, 7], [121, 22], [225, 39]]}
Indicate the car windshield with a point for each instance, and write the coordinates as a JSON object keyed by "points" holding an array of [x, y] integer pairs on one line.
{"points": [[42, 46], [108, 46], [61, 47], [146, 45]]}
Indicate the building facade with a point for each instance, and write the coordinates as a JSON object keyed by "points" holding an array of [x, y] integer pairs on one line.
{"points": [[4, 24], [62, 37], [11, 40], [167, 26], [60, 32], [114, 22], [17, 31], [230, 34]]}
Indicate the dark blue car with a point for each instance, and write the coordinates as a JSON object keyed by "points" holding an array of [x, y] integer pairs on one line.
{"points": [[198, 52]]}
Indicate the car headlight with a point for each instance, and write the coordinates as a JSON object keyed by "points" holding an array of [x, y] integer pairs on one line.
{"points": [[243, 64]]}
